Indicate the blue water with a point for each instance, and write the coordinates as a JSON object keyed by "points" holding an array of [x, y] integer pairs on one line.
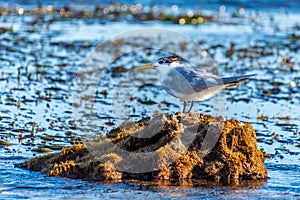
{"points": [[23, 184], [273, 25], [267, 5]]}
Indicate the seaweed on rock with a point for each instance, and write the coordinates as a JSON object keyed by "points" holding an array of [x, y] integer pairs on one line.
{"points": [[181, 146]]}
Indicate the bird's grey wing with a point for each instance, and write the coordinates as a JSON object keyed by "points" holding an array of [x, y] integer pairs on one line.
{"points": [[188, 81], [199, 80]]}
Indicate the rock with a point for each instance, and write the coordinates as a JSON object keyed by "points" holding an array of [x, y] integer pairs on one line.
{"points": [[181, 146]]}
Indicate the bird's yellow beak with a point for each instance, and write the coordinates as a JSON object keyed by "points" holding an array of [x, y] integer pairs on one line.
{"points": [[143, 67]]}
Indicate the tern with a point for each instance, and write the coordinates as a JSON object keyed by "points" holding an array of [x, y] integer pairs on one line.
{"points": [[189, 83]]}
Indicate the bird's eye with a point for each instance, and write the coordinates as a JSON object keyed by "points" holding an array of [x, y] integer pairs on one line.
{"points": [[160, 62]]}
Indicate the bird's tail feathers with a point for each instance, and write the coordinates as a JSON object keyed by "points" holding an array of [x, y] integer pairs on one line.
{"points": [[232, 81]]}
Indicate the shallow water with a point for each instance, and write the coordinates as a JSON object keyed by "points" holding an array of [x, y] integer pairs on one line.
{"points": [[38, 72]]}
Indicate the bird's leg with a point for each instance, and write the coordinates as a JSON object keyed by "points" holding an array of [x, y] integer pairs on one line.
{"points": [[192, 104], [184, 105]]}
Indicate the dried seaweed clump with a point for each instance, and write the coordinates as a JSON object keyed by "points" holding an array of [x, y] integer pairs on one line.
{"points": [[181, 146]]}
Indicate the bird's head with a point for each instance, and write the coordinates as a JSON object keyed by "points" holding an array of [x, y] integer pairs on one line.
{"points": [[163, 63]]}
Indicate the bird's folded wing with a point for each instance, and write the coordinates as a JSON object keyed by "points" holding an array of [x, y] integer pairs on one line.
{"points": [[188, 81]]}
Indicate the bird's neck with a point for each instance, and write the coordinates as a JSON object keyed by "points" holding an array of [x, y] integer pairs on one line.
{"points": [[175, 64], [164, 71]]}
